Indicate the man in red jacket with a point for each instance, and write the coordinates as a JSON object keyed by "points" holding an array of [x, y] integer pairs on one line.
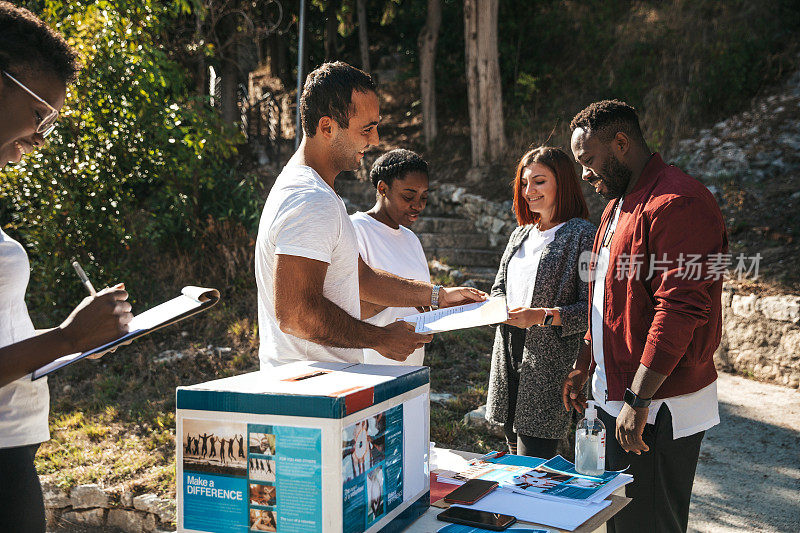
{"points": [[655, 315]]}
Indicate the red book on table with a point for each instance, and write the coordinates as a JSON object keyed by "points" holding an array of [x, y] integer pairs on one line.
{"points": [[439, 490]]}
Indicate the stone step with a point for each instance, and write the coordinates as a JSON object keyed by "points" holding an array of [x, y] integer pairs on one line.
{"points": [[454, 240], [485, 274], [464, 257], [359, 193], [443, 225]]}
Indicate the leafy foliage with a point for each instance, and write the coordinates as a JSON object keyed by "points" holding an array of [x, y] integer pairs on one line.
{"points": [[136, 160]]}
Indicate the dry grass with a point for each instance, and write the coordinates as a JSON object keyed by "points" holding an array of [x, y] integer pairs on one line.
{"points": [[113, 421], [460, 362]]}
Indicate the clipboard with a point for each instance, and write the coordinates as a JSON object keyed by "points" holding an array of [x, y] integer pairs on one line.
{"points": [[191, 301]]}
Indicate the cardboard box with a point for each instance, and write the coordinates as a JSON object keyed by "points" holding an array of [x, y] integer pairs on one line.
{"points": [[305, 447]]}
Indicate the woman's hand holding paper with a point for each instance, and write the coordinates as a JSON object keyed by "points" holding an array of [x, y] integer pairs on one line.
{"points": [[525, 317]]}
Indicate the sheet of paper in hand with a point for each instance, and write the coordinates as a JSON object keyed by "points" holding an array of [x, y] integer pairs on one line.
{"points": [[489, 311], [191, 301]]}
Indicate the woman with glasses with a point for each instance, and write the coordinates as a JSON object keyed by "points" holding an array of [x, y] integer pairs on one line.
{"points": [[36, 64]]}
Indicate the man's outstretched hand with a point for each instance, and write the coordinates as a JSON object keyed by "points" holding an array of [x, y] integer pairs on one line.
{"points": [[452, 296], [572, 390]]}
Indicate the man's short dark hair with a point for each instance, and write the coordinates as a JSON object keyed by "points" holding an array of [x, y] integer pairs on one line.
{"points": [[328, 92], [608, 117], [29, 45]]}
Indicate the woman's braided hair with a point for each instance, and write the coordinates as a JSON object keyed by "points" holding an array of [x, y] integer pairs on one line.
{"points": [[29, 45], [396, 164]]}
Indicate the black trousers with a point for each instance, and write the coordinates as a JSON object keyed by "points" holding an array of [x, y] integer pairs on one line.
{"points": [[662, 477], [521, 444], [22, 507]]}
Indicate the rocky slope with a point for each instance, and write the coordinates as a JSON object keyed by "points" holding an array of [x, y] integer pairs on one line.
{"points": [[751, 162]]}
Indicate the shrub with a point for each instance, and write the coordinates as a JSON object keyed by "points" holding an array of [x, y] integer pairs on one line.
{"points": [[137, 161]]}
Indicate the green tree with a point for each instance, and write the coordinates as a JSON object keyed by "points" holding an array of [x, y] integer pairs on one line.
{"points": [[137, 160]]}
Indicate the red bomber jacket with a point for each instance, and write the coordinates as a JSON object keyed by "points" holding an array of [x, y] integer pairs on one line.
{"points": [[662, 304]]}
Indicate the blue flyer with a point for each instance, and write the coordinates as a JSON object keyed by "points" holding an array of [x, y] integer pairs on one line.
{"points": [[285, 476]]}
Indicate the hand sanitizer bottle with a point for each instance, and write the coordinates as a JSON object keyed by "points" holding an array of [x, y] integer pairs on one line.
{"points": [[590, 444]]}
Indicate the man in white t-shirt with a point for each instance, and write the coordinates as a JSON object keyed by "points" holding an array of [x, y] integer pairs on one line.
{"points": [[309, 274]]}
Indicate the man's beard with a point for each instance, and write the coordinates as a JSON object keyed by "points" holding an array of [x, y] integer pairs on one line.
{"points": [[616, 177], [343, 157]]}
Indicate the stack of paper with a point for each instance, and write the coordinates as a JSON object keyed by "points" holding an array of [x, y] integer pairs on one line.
{"points": [[549, 513]]}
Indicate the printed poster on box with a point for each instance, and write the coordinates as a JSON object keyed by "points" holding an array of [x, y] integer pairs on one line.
{"points": [[234, 473], [372, 469]]}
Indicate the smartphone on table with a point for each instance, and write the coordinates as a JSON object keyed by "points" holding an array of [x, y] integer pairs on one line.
{"points": [[473, 517], [471, 491]]}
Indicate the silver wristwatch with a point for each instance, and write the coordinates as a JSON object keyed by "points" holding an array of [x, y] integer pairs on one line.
{"points": [[435, 296]]}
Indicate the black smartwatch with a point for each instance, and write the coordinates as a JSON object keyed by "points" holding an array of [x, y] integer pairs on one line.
{"points": [[548, 318], [634, 401]]}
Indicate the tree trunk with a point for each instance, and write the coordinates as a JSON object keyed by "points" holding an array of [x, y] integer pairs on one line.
{"points": [[484, 94], [331, 29], [427, 77], [492, 94], [363, 40], [229, 84], [202, 69], [477, 132]]}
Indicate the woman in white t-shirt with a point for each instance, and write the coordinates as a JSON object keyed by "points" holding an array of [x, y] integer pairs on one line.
{"points": [[36, 64], [384, 240], [540, 278]]}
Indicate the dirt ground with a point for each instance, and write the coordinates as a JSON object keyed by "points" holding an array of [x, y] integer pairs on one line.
{"points": [[748, 477]]}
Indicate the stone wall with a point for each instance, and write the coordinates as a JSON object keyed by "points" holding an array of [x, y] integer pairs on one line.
{"points": [[493, 218], [92, 506], [761, 336]]}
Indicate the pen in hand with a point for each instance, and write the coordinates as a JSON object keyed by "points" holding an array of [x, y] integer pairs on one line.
{"points": [[84, 278]]}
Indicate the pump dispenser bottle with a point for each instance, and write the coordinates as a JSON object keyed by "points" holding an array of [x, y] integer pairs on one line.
{"points": [[590, 444]]}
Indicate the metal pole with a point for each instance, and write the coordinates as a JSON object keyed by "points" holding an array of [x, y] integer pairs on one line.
{"points": [[300, 46]]}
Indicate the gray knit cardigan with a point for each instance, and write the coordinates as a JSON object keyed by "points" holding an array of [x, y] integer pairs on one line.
{"points": [[549, 352]]}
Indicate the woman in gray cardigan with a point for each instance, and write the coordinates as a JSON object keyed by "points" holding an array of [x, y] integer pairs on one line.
{"points": [[548, 302]]}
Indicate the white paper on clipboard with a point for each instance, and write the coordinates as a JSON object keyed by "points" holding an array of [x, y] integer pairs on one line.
{"points": [[192, 300]]}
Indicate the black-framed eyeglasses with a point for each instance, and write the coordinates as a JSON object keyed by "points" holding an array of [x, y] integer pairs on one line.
{"points": [[47, 123]]}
